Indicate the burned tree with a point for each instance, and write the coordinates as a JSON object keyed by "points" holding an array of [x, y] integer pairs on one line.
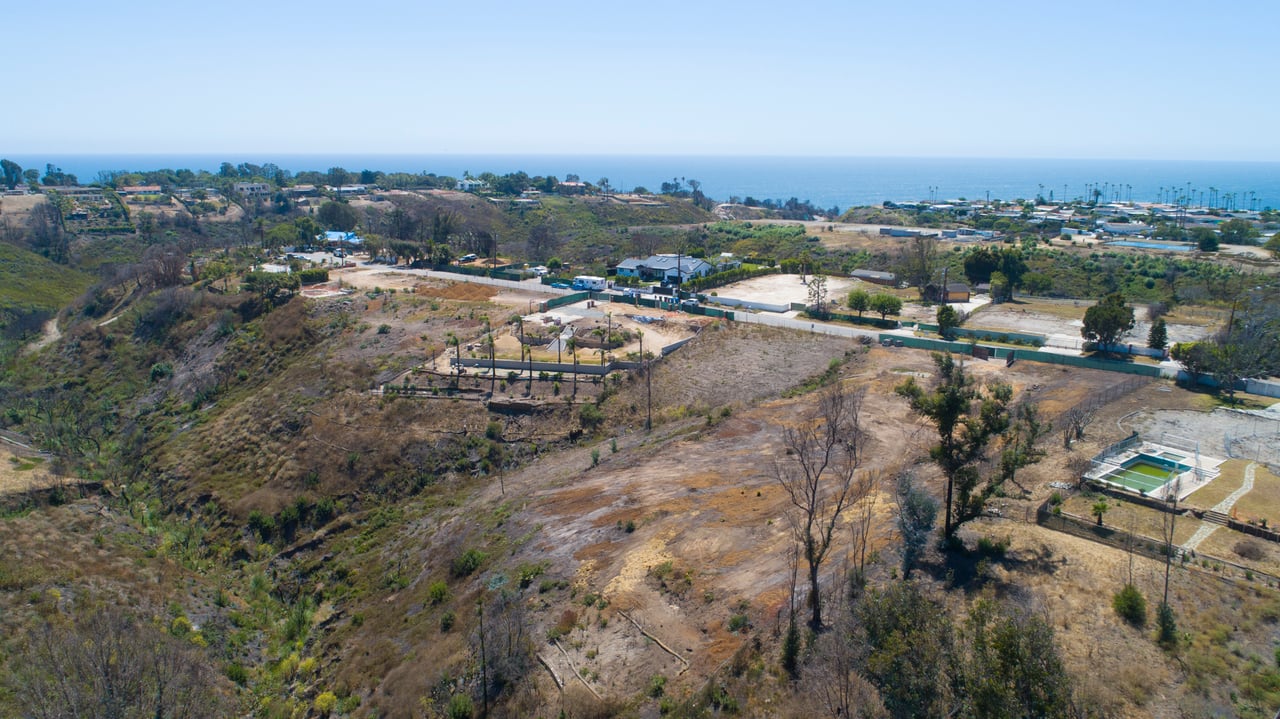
{"points": [[820, 477]]}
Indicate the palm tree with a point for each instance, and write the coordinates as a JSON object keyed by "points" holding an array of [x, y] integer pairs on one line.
{"points": [[493, 360], [1100, 508], [453, 341], [572, 344]]}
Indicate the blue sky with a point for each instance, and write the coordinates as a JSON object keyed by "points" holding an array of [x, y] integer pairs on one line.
{"points": [[1116, 79]]}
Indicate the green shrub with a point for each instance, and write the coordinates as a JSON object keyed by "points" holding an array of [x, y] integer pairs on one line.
{"points": [[460, 707], [467, 562], [326, 702], [658, 685], [438, 592], [384, 329], [446, 621], [993, 547], [238, 674], [1130, 605], [313, 276], [738, 622]]}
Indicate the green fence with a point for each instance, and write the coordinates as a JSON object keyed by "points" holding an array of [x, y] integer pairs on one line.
{"points": [[566, 299], [966, 348], [1144, 370], [990, 335]]}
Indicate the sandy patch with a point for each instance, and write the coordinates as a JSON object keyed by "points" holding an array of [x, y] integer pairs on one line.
{"points": [[785, 289]]}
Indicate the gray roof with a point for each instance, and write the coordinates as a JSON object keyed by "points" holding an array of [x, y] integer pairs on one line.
{"points": [[665, 263], [873, 274]]}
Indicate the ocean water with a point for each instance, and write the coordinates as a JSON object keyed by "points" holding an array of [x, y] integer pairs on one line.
{"points": [[825, 181]]}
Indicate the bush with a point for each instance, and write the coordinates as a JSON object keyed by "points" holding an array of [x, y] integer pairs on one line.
{"points": [[384, 329], [658, 684], [1249, 550], [326, 702], [446, 621], [1130, 605], [461, 707], [438, 592], [993, 547], [467, 562], [313, 276], [590, 416], [1168, 635]]}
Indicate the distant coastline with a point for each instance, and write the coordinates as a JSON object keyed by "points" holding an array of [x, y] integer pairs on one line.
{"points": [[825, 181]]}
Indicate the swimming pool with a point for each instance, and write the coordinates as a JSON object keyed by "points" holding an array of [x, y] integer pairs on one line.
{"points": [[1175, 247], [1146, 473]]}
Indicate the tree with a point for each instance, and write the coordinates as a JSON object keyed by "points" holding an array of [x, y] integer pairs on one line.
{"points": [[859, 301], [1205, 238], [1107, 321], [819, 476], [818, 295], [542, 242], [948, 319], [1273, 244], [1100, 508], [1020, 446], [918, 261], [967, 416], [1195, 357], [885, 304], [1238, 232], [909, 649], [1158, 337], [1011, 666], [12, 173], [108, 664], [338, 216], [917, 512]]}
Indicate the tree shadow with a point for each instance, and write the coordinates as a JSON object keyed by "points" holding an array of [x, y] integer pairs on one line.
{"points": [[970, 569]]}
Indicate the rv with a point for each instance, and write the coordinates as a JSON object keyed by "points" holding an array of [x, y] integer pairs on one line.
{"points": [[588, 282]]}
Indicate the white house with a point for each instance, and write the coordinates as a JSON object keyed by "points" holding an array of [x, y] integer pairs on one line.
{"points": [[469, 184]]}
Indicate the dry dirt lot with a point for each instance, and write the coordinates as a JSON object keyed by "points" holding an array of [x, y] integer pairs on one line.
{"points": [[15, 208], [1066, 318], [784, 289], [682, 534]]}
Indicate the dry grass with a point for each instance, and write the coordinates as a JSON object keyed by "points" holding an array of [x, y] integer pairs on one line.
{"points": [[1230, 477], [1263, 502]]}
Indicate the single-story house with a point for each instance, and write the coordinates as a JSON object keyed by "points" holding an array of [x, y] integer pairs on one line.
{"points": [[665, 268], [1126, 228], [252, 189], [955, 292], [78, 193], [726, 261], [875, 277], [301, 191], [469, 185], [139, 190]]}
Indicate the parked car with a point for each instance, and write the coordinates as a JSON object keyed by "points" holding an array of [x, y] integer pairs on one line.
{"points": [[560, 285], [466, 258]]}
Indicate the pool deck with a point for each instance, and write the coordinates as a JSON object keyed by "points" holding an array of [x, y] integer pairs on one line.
{"points": [[1205, 471]]}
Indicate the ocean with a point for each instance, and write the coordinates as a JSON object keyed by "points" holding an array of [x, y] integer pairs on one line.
{"points": [[825, 181]]}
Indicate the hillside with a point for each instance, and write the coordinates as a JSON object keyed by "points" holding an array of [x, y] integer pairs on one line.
{"points": [[316, 545]]}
